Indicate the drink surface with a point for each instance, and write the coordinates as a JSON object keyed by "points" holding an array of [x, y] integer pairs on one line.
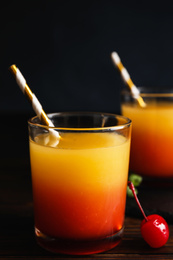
{"points": [[79, 187], [152, 138]]}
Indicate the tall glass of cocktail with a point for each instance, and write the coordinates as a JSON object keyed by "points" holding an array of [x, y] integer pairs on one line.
{"points": [[79, 185], [152, 134]]}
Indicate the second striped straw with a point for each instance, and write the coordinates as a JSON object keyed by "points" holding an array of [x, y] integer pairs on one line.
{"points": [[126, 77]]}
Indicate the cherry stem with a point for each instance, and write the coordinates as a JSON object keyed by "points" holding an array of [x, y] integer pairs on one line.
{"points": [[131, 186]]}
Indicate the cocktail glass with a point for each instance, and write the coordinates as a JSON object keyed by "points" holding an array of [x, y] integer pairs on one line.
{"points": [[79, 186], [152, 135]]}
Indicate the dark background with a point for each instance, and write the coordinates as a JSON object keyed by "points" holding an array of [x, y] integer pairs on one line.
{"points": [[63, 49]]}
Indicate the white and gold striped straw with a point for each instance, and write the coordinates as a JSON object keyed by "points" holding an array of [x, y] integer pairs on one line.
{"points": [[37, 107], [126, 77]]}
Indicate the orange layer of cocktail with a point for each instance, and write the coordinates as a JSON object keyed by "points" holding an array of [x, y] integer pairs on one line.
{"points": [[79, 187], [152, 138]]}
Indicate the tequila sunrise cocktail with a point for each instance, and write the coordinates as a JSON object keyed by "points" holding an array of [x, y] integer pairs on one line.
{"points": [[152, 134], [79, 186]]}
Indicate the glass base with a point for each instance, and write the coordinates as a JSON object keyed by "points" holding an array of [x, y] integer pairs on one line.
{"points": [[78, 247]]}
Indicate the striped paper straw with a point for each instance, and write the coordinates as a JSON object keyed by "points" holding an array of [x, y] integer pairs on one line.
{"points": [[37, 107], [126, 77]]}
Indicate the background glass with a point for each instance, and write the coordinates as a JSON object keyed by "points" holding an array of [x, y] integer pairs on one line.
{"points": [[79, 187], [152, 134]]}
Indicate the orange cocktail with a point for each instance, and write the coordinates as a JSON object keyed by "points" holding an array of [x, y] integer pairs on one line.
{"points": [[152, 134], [79, 187]]}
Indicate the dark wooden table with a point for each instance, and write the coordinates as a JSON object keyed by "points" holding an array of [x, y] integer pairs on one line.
{"points": [[17, 239]]}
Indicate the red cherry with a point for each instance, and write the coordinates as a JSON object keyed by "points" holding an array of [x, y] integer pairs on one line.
{"points": [[154, 229]]}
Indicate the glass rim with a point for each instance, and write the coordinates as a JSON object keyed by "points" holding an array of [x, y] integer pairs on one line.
{"points": [[124, 125], [151, 92]]}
